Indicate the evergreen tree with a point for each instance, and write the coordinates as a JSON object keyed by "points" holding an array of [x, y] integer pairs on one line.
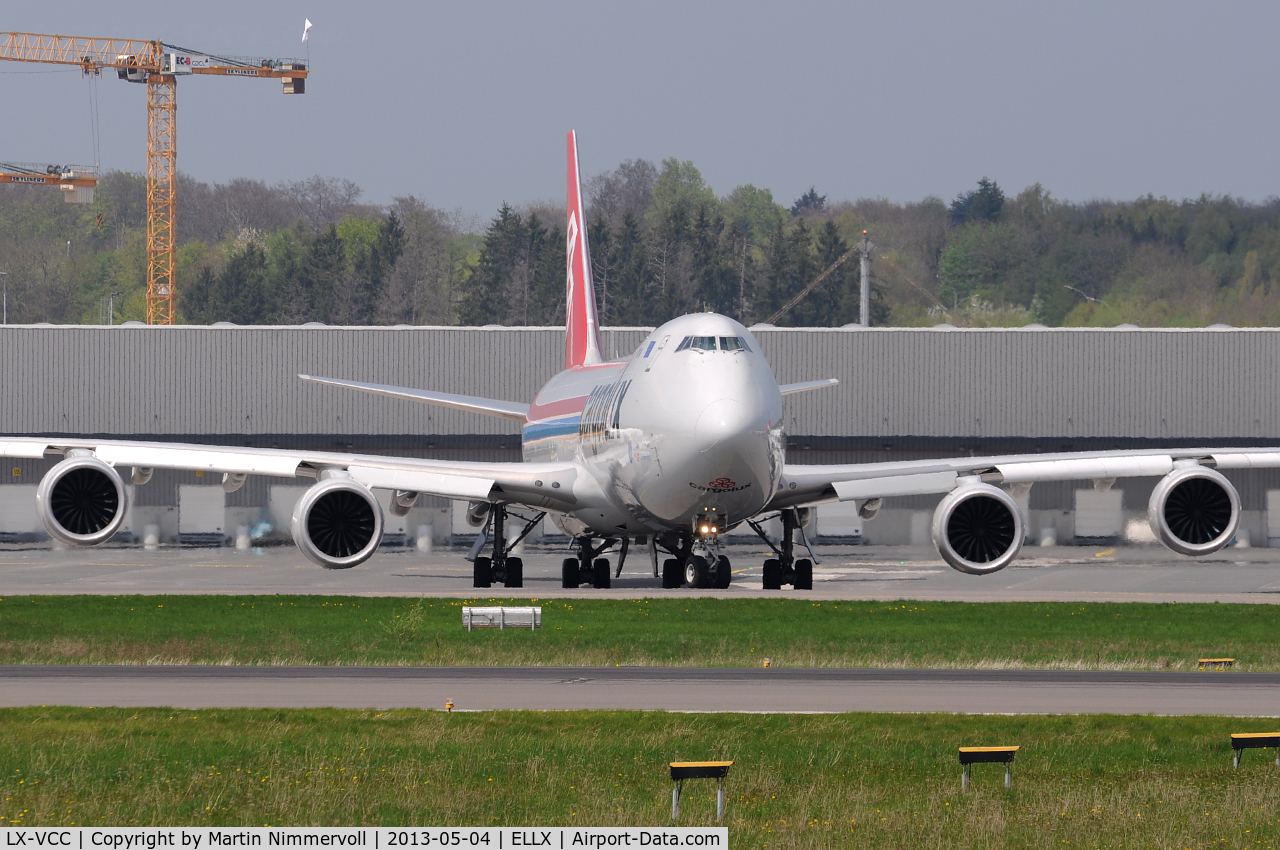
{"points": [[481, 298], [977, 205], [809, 202], [323, 273], [789, 267], [631, 293]]}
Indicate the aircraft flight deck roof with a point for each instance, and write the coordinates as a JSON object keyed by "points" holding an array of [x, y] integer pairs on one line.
{"points": [[1209, 384]]}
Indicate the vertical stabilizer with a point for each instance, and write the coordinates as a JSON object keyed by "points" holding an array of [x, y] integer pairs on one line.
{"points": [[581, 344]]}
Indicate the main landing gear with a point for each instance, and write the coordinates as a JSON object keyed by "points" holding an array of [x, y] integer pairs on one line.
{"points": [[697, 563], [785, 569], [587, 567], [502, 566]]}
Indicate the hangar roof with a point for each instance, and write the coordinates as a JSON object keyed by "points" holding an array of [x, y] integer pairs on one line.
{"points": [[1186, 384]]}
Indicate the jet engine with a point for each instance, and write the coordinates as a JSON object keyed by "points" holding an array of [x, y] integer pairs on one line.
{"points": [[977, 529], [1194, 510], [82, 500], [337, 523]]}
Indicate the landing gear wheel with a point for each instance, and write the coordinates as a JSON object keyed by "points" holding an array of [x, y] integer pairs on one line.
{"points": [[773, 574], [569, 573], [723, 573], [697, 572], [672, 575], [600, 574], [804, 575], [515, 573], [481, 572]]}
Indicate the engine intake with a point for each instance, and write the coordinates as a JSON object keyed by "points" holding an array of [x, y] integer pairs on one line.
{"points": [[337, 523], [1194, 510], [978, 529], [82, 501]]}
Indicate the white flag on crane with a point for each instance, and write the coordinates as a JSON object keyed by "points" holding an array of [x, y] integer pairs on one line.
{"points": [[306, 28]]}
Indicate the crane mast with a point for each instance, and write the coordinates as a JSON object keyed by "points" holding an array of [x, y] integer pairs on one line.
{"points": [[158, 66]]}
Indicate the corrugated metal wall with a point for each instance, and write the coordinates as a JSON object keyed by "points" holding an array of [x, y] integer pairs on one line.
{"points": [[1054, 384], [1061, 384]]}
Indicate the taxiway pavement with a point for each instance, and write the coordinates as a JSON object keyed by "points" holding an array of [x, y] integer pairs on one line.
{"points": [[680, 689], [1064, 573]]}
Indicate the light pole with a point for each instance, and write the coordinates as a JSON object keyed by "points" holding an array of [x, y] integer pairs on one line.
{"points": [[5, 275], [111, 309], [864, 301]]}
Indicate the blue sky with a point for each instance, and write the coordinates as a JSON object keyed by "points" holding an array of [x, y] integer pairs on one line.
{"points": [[466, 104]]}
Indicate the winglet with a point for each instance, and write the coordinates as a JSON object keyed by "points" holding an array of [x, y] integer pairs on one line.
{"points": [[581, 342]]}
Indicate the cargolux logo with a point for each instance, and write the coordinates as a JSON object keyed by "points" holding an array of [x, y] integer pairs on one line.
{"points": [[720, 485]]}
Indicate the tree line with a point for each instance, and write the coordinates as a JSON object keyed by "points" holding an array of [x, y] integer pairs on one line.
{"points": [[662, 242]]}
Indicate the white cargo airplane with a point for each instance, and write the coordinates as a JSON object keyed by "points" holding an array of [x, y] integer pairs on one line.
{"points": [[671, 447]]}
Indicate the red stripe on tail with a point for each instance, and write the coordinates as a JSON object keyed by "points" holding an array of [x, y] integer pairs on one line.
{"points": [[581, 344]]}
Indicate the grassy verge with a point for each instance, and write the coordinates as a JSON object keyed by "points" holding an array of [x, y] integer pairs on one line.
{"points": [[717, 632], [798, 781]]}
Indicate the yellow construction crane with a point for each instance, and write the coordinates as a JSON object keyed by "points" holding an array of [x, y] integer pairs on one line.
{"points": [[76, 181], [158, 65]]}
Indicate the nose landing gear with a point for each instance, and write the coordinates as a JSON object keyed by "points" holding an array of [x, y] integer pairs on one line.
{"points": [[698, 563], [786, 569]]}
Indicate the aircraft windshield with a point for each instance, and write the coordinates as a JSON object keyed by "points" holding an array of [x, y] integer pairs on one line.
{"points": [[708, 343], [698, 343]]}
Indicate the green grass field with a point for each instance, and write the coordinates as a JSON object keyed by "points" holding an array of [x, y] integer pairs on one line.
{"points": [[799, 781], [712, 632]]}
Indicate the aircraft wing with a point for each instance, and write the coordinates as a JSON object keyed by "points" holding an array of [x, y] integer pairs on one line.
{"points": [[805, 386], [810, 484], [473, 404], [541, 485]]}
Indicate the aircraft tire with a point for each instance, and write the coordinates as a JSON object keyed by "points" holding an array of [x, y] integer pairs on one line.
{"points": [[772, 579], [515, 573], [569, 573], [481, 572], [697, 572], [672, 575], [724, 574], [601, 575], [804, 575]]}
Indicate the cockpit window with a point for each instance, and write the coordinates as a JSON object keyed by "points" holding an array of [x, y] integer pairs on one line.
{"points": [[708, 343], [698, 343]]}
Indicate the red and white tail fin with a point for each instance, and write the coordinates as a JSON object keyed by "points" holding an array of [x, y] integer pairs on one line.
{"points": [[581, 344]]}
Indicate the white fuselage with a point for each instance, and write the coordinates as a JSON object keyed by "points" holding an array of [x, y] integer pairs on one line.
{"points": [[666, 434]]}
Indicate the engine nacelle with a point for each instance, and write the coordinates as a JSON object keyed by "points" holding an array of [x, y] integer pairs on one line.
{"points": [[82, 501], [1194, 510], [337, 523], [978, 529]]}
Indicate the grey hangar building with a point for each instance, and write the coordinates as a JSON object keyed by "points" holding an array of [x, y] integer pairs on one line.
{"points": [[904, 393]]}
